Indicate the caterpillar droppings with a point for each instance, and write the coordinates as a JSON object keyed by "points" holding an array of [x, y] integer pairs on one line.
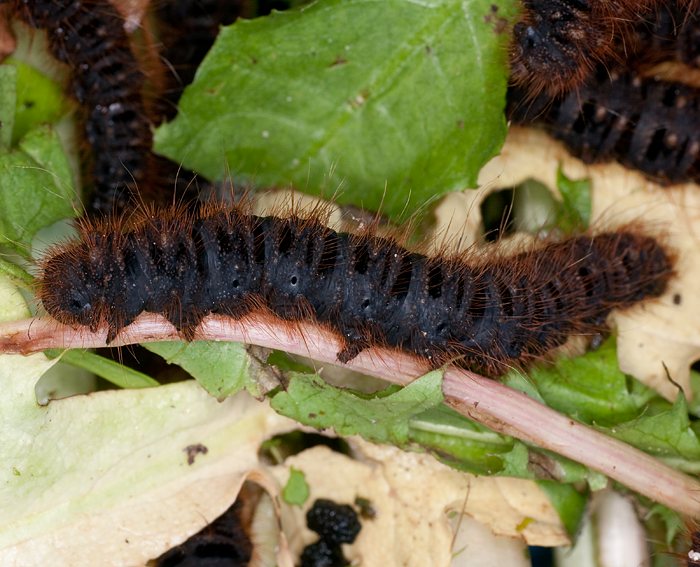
{"points": [[485, 312]]}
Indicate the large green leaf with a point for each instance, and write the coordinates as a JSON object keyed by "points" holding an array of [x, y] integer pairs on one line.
{"points": [[394, 101]]}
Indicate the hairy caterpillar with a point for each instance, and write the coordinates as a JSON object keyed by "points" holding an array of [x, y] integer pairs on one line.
{"points": [[558, 44], [225, 541], [107, 81], [483, 313], [672, 33], [188, 30], [644, 123]]}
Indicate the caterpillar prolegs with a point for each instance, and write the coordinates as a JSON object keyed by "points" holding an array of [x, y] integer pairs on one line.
{"points": [[485, 312]]}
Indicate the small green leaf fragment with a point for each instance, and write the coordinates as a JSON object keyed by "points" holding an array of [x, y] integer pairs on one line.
{"points": [[569, 503], [669, 521], [382, 418], [576, 207], [296, 491], [221, 368]]}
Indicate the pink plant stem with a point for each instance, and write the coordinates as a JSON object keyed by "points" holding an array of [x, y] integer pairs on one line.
{"points": [[486, 401]]}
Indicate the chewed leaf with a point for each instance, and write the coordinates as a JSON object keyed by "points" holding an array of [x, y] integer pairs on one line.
{"points": [[590, 388], [221, 368], [394, 102], [384, 418], [665, 432]]}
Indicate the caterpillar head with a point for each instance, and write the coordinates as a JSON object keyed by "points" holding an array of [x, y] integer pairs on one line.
{"points": [[74, 300]]}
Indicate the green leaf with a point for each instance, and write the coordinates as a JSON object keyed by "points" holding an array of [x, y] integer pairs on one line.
{"points": [[590, 388], [383, 418], [39, 100], [36, 188], [665, 432], [395, 102], [576, 206], [8, 103], [296, 491], [112, 371], [220, 367], [464, 444], [18, 275], [569, 503]]}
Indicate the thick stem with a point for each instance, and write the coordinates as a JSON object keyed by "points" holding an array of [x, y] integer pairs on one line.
{"points": [[487, 401]]}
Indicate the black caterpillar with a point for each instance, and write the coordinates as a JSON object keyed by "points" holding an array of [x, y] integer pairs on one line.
{"points": [[693, 557], [89, 36], [644, 123], [672, 33], [558, 44], [223, 543], [188, 30], [482, 314], [107, 81]]}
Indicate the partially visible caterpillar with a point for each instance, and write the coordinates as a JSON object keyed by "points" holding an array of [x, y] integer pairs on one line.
{"points": [[188, 29], [671, 33], [558, 44], [106, 79], [223, 542], [644, 123], [89, 36], [483, 312]]}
